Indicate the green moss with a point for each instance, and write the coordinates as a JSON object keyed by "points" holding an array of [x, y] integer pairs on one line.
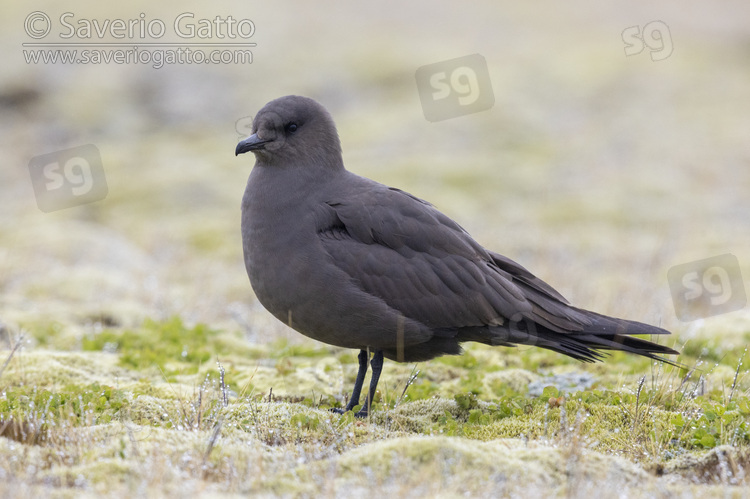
{"points": [[52, 370], [276, 411], [156, 344], [709, 351], [44, 332], [169, 346], [81, 405], [422, 389], [282, 349], [466, 361], [508, 382], [715, 423]]}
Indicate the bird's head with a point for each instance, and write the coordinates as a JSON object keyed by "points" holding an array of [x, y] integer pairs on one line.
{"points": [[293, 131]]}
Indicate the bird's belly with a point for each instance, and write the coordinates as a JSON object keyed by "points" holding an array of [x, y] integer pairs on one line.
{"points": [[315, 302]]}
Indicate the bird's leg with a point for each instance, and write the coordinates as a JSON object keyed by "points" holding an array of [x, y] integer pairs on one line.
{"points": [[354, 400], [377, 367]]}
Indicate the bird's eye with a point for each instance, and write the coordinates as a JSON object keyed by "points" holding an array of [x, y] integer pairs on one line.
{"points": [[291, 127]]}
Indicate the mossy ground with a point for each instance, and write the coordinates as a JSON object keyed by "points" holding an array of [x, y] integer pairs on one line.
{"points": [[171, 408]]}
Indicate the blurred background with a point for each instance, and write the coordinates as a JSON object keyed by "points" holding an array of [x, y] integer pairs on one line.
{"points": [[597, 170]]}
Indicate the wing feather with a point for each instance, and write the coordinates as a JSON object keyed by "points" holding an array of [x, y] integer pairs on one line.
{"points": [[427, 267]]}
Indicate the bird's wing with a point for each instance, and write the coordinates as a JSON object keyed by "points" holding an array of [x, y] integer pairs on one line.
{"points": [[424, 265]]}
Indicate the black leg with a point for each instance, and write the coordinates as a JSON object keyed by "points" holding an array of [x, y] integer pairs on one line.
{"points": [[354, 400], [377, 367]]}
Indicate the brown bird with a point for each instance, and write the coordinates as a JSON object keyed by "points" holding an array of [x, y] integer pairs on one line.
{"points": [[351, 262]]}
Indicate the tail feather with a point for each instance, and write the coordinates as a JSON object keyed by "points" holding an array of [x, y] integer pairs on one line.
{"points": [[558, 326], [591, 343]]}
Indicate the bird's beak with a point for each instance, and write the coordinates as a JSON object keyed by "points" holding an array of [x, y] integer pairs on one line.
{"points": [[252, 143]]}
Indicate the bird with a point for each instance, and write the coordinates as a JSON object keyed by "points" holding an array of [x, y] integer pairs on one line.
{"points": [[351, 262]]}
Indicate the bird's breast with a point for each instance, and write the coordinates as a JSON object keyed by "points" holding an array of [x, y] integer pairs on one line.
{"points": [[274, 242]]}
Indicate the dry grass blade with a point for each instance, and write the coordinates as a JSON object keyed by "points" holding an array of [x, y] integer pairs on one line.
{"points": [[13, 350], [736, 375], [212, 441], [222, 385], [412, 378]]}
